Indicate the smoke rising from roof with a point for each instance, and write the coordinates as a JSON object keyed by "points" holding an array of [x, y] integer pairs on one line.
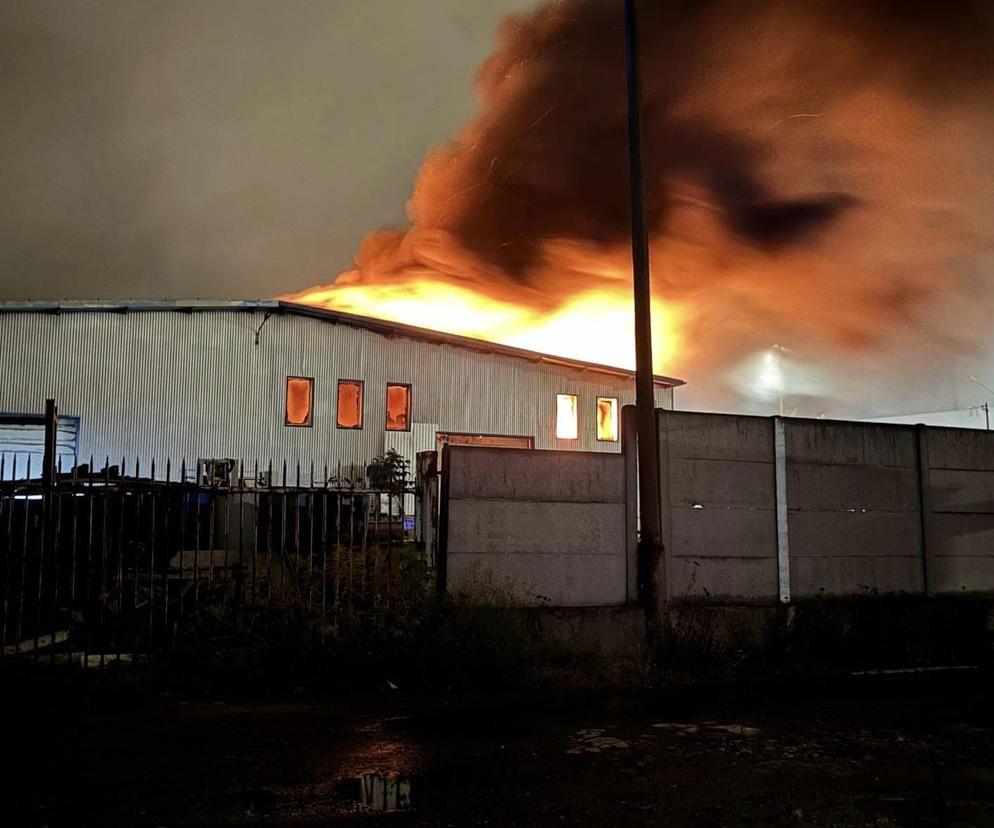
{"points": [[817, 172]]}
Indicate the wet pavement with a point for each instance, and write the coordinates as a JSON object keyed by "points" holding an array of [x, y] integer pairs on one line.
{"points": [[866, 752]]}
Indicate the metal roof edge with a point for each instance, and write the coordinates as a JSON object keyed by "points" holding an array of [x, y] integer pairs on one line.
{"points": [[381, 326], [143, 305]]}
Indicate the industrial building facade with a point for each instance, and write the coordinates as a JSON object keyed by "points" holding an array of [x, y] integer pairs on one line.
{"points": [[267, 381]]}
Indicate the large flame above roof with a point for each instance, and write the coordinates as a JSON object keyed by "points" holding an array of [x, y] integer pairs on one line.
{"points": [[594, 326], [816, 173]]}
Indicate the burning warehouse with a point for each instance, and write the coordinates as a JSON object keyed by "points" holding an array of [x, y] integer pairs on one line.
{"points": [[200, 383]]}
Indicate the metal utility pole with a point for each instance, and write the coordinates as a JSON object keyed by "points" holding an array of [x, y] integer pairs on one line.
{"points": [[985, 406], [650, 550]]}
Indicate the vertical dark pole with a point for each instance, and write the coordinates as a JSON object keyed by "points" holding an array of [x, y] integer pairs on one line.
{"points": [[650, 550], [442, 553], [47, 552], [51, 443], [923, 461]]}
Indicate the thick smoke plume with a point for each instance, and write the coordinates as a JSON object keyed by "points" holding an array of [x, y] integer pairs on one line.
{"points": [[818, 171]]}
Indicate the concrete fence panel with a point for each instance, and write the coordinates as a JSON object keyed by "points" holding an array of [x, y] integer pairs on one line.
{"points": [[549, 526], [756, 508], [719, 509], [852, 508], [959, 474]]}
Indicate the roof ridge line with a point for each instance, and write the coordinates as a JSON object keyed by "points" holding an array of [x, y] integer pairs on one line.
{"points": [[383, 326]]}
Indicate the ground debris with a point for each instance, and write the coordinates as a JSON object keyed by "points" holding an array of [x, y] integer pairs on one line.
{"points": [[712, 728], [593, 740]]}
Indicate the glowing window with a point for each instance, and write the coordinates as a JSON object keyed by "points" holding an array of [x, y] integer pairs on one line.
{"points": [[398, 407], [299, 401], [349, 404], [566, 416], [607, 419]]}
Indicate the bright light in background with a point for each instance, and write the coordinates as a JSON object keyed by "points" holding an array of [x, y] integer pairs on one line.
{"points": [[775, 375], [770, 377]]}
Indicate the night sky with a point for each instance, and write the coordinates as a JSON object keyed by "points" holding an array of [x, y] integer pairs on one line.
{"points": [[232, 148]]}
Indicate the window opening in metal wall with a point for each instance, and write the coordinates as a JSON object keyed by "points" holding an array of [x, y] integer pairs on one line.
{"points": [[607, 419], [299, 401], [398, 407], [566, 416], [349, 403]]}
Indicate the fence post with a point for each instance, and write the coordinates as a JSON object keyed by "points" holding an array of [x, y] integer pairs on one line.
{"points": [[629, 450], [47, 550], [663, 586], [780, 478], [924, 508], [51, 443], [442, 561]]}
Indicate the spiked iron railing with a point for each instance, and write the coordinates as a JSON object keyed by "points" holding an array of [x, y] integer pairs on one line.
{"points": [[118, 564]]}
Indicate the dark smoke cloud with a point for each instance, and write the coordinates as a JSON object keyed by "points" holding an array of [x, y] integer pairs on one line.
{"points": [[817, 170]]}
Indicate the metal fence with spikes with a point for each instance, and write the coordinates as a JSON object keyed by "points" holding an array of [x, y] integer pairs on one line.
{"points": [[114, 564]]}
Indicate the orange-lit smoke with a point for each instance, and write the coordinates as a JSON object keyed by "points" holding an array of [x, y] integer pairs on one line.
{"points": [[816, 172]]}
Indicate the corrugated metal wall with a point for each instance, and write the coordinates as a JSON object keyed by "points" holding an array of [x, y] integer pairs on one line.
{"points": [[183, 385]]}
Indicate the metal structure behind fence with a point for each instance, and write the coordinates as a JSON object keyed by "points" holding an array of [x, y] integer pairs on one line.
{"points": [[120, 563]]}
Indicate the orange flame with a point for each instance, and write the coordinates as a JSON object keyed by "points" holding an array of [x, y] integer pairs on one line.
{"points": [[593, 326]]}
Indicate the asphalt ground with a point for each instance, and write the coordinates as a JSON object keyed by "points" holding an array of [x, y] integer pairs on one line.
{"points": [[867, 750]]}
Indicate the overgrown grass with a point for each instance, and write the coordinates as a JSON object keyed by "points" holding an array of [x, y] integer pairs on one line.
{"points": [[384, 626], [824, 637], [481, 638], [897, 631]]}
